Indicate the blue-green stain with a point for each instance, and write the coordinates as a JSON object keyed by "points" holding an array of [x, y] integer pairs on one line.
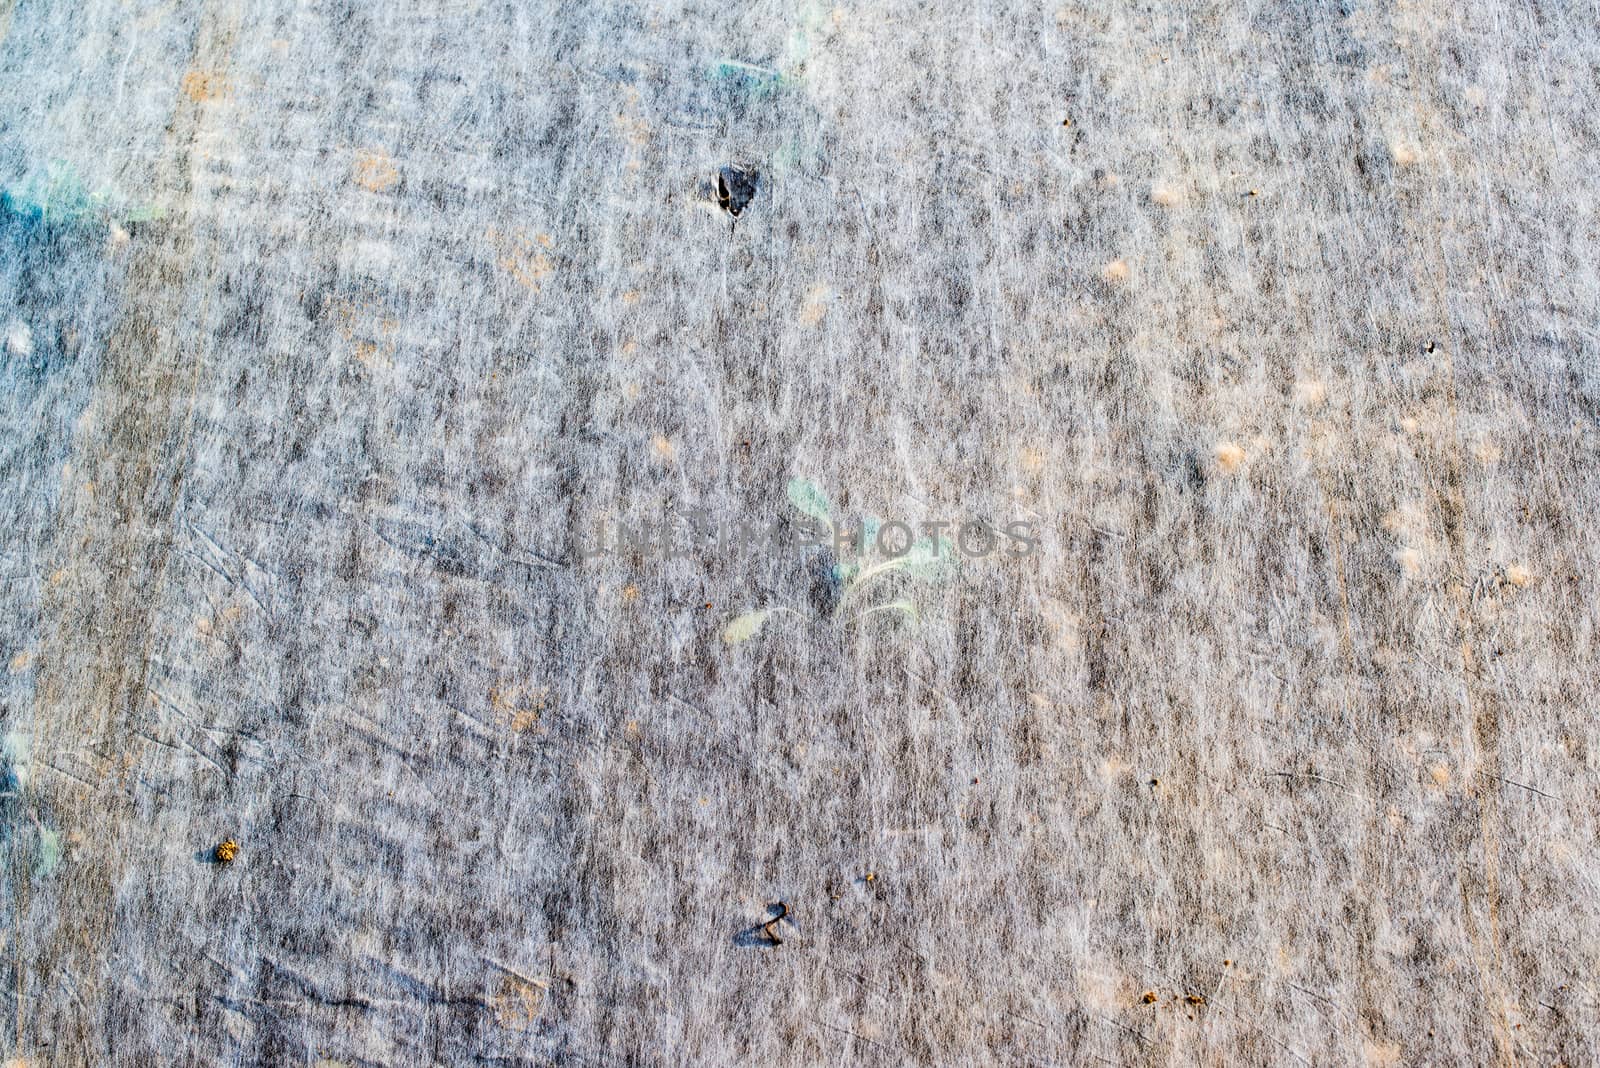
{"points": [[812, 20], [753, 80], [49, 852], [59, 197], [928, 560], [759, 81], [809, 499]]}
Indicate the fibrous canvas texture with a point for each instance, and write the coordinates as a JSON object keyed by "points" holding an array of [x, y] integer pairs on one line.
{"points": [[335, 331]]}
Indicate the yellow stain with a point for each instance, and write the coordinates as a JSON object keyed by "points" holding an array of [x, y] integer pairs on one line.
{"points": [[815, 306], [1230, 457], [1309, 393], [375, 172], [1405, 155], [519, 706], [520, 256], [517, 1004], [199, 85]]}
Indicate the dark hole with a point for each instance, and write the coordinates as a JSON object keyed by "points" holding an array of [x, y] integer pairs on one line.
{"points": [[735, 189]]}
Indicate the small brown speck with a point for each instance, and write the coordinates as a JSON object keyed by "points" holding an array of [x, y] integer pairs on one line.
{"points": [[1194, 999], [226, 851], [872, 876], [1149, 997]]}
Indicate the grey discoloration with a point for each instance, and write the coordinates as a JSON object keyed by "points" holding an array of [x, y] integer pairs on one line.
{"points": [[110, 557], [1277, 321]]}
